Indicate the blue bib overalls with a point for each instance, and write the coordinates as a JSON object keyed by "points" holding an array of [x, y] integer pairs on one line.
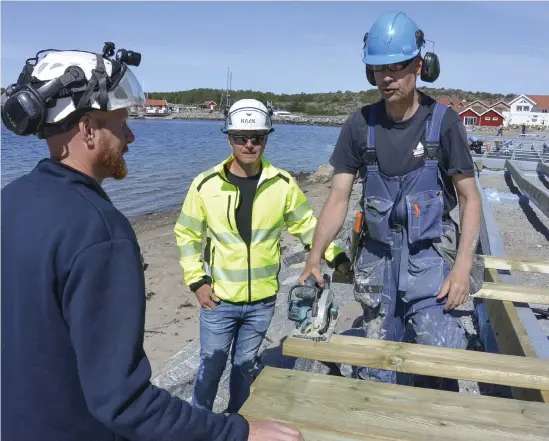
{"points": [[398, 273]]}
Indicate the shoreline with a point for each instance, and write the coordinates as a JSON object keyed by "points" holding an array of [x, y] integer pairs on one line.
{"points": [[310, 120]]}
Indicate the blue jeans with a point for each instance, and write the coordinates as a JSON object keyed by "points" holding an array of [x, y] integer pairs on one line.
{"points": [[243, 325]]}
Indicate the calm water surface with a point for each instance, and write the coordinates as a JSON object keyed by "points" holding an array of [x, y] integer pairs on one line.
{"points": [[168, 154]]}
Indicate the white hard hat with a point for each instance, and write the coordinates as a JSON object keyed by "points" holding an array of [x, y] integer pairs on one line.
{"points": [[248, 114], [123, 88]]}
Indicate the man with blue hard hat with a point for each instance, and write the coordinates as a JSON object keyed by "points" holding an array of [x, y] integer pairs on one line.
{"points": [[413, 154]]}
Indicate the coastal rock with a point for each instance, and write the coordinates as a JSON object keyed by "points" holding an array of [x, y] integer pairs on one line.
{"points": [[300, 176], [322, 175]]}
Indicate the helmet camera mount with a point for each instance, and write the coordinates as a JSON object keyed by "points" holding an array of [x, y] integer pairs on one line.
{"points": [[25, 104]]}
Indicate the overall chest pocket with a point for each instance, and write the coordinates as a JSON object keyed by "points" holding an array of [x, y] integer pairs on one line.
{"points": [[377, 212], [425, 211]]}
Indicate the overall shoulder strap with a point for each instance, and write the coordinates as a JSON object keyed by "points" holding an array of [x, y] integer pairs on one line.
{"points": [[432, 130], [369, 150]]}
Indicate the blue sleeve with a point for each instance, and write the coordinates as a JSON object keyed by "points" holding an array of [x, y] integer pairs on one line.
{"points": [[104, 308], [346, 156]]}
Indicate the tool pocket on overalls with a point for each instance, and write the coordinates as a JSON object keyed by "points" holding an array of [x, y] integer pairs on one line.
{"points": [[425, 211], [376, 214], [425, 276], [369, 276]]}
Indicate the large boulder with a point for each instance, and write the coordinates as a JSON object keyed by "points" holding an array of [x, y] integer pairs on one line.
{"points": [[322, 175]]}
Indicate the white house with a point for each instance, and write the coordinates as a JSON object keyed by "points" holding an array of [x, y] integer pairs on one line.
{"points": [[532, 110]]}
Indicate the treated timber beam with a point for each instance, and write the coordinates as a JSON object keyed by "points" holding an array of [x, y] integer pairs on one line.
{"points": [[512, 337], [501, 263], [331, 408], [436, 361], [526, 265], [536, 193], [514, 293]]}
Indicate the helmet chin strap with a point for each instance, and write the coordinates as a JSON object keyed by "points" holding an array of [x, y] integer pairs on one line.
{"points": [[99, 75]]}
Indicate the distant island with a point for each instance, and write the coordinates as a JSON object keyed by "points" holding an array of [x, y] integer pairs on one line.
{"points": [[315, 104]]}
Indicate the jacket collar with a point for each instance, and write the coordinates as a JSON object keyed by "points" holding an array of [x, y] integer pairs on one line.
{"points": [[268, 171], [69, 176]]}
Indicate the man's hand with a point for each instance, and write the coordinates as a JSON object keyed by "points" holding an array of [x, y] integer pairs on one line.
{"points": [[314, 269], [456, 287], [272, 431], [206, 297]]}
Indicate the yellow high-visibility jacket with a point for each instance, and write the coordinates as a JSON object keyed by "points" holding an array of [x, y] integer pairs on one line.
{"points": [[239, 273]]}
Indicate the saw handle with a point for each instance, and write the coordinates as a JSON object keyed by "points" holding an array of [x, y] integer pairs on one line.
{"points": [[310, 281]]}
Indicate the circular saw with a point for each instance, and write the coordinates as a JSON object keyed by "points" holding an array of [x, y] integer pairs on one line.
{"points": [[313, 309]]}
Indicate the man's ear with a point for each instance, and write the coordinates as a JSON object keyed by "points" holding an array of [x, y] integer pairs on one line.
{"points": [[419, 66], [86, 129]]}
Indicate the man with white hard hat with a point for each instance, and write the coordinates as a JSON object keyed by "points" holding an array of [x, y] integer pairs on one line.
{"points": [[240, 207], [73, 289]]}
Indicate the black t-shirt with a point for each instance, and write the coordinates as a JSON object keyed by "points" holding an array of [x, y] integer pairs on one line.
{"points": [[398, 146], [248, 187]]}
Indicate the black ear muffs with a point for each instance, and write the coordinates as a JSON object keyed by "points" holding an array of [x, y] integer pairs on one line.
{"points": [[370, 76], [24, 112], [430, 70], [25, 108]]}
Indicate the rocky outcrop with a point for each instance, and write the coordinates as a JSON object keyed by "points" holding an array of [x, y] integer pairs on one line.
{"points": [[279, 119], [311, 120], [323, 175]]}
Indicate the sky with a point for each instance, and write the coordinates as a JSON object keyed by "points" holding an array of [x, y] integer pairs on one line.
{"points": [[285, 47]]}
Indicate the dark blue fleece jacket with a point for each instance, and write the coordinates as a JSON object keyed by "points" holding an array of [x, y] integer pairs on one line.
{"points": [[73, 315]]}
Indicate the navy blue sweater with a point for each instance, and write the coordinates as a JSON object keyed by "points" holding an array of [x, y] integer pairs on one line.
{"points": [[73, 315]]}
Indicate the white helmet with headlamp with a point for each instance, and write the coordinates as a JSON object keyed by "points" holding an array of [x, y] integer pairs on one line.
{"points": [[248, 115], [65, 83]]}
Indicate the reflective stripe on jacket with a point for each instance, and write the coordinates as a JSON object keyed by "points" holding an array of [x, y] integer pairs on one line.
{"points": [[240, 272]]}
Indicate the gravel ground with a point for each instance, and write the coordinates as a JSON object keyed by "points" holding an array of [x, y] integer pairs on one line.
{"points": [[524, 230]]}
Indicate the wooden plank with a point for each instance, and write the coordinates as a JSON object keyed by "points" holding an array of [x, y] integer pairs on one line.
{"points": [[528, 265], [328, 408], [511, 337], [514, 293], [537, 194], [435, 361]]}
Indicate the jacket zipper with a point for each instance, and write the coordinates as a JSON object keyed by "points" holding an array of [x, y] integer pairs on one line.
{"points": [[229, 212], [248, 244], [212, 268]]}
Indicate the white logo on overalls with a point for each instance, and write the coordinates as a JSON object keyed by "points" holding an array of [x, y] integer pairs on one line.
{"points": [[418, 152]]}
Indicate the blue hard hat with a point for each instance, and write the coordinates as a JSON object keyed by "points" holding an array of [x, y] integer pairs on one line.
{"points": [[392, 39]]}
